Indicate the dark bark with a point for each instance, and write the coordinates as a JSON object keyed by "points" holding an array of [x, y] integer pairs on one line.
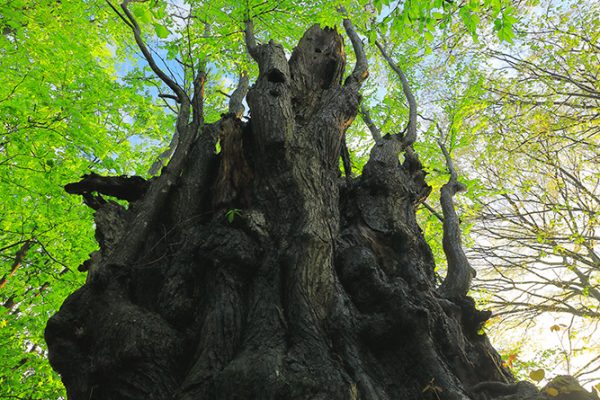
{"points": [[259, 273], [130, 188]]}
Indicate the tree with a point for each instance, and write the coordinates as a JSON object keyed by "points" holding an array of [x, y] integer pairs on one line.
{"points": [[536, 238], [263, 265], [252, 258]]}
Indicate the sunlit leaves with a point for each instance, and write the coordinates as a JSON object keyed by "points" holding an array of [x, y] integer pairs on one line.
{"points": [[63, 111], [161, 31], [539, 145]]}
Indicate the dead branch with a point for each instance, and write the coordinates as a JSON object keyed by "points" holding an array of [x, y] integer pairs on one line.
{"points": [[130, 188]]}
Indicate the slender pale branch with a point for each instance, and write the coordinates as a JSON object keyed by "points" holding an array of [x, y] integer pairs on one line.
{"points": [[411, 135], [165, 156], [360, 72], [250, 39], [236, 99]]}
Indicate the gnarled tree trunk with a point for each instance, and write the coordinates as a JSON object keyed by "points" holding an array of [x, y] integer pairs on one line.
{"points": [[261, 273]]}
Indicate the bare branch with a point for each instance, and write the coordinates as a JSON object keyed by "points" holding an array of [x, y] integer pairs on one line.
{"points": [[179, 92], [360, 72], [250, 39], [411, 135], [236, 106], [130, 188]]}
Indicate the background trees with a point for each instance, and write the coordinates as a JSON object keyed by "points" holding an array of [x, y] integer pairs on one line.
{"points": [[524, 120], [539, 232], [76, 96], [66, 106]]}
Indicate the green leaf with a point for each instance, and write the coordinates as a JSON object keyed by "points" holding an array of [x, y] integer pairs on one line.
{"points": [[142, 14], [161, 31], [537, 375]]}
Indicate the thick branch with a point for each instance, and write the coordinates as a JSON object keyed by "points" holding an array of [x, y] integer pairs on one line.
{"points": [[153, 201], [453, 175], [411, 135], [182, 118], [360, 72], [251, 40], [236, 106], [168, 96], [197, 105], [130, 188], [460, 273], [198, 100], [165, 156]]}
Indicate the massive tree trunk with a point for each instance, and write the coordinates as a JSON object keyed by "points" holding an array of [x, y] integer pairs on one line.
{"points": [[261, 272]]}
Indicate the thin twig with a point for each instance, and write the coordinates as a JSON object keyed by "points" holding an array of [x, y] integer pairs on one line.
{"points": [[366, 117], [433, 211]]}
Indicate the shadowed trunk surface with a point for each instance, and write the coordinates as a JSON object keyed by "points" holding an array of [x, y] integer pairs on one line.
{"points": [[261, 273]]}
